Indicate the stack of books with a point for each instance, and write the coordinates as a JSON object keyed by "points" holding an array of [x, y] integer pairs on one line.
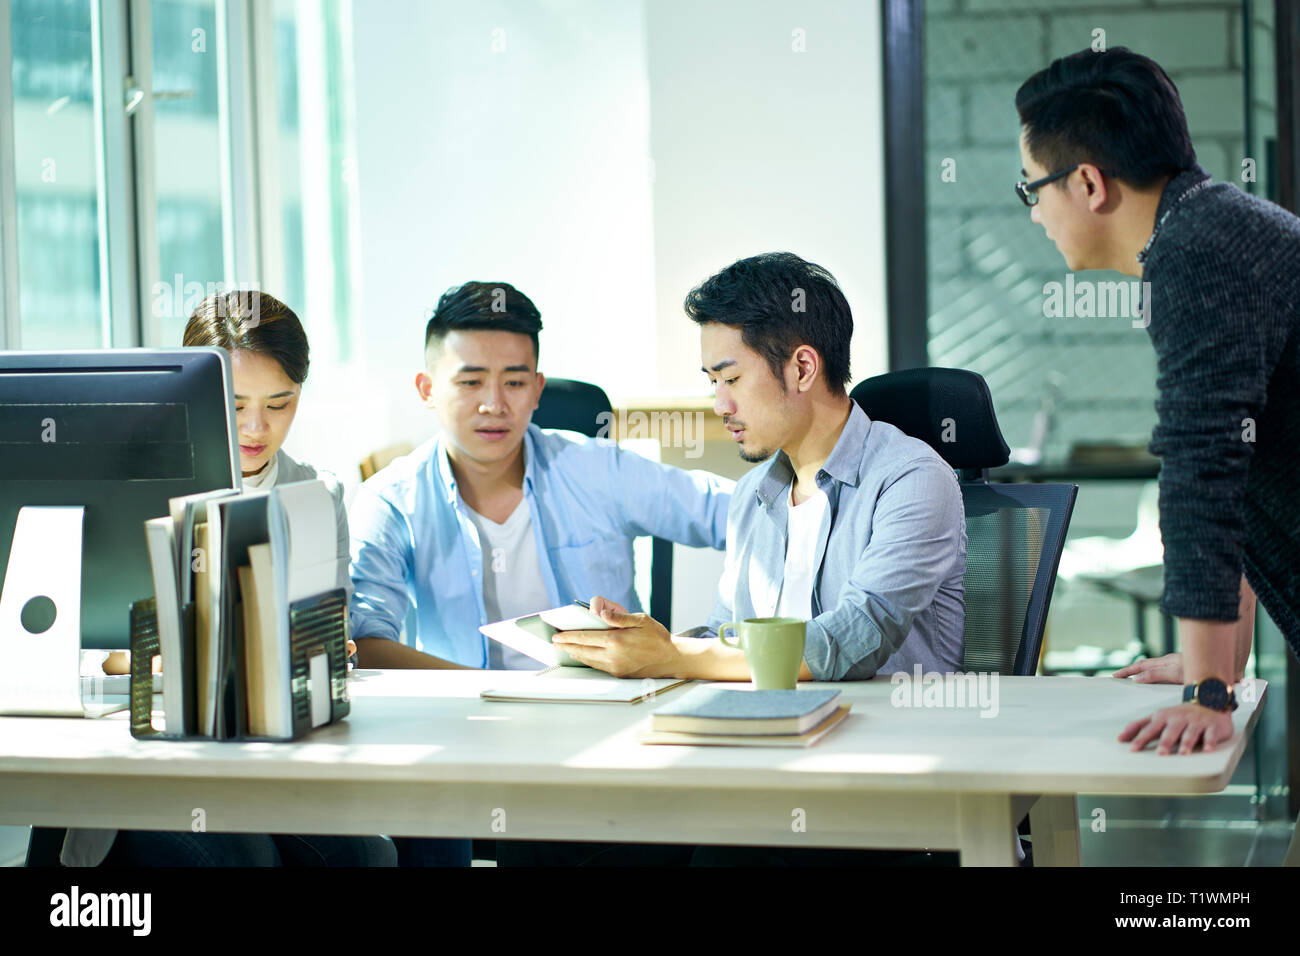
{"points": [[250, 612], [720, 716]]}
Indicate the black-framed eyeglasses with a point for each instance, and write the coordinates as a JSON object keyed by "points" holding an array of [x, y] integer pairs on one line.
{"points": [[1028, 192]]}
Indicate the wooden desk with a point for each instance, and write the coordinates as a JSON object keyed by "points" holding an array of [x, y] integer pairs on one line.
{"points": [[422, 755]]}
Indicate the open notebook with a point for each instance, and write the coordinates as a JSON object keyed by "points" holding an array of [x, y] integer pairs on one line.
{"points": [[577, 685]]}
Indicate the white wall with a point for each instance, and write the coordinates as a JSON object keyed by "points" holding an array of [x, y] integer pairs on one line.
{"points": [[760, 148], [613, 155], [527, 165]]}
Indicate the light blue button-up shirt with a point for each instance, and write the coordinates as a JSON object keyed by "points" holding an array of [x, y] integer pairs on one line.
{"points": [[890, 562], [413, 542]]}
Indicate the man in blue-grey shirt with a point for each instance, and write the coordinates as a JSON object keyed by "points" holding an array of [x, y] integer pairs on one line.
{"points": [[495, 518], [852, 524]]}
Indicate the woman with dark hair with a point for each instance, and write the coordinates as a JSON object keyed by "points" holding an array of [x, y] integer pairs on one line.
{"points": [[269, 357]]}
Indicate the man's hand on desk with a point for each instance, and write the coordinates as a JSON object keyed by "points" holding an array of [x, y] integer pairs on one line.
{"points": [[638, 645], [1189, 722], [1155, 670], [1217, 649]]}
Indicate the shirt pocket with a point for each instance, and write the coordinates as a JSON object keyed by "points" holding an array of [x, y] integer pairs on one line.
{"points": [[600, 566]]}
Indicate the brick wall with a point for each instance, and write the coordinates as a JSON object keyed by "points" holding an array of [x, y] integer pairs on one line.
{"points": [[988, 262]]}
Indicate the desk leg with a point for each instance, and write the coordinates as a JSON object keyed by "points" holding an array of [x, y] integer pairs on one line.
{"points": [[1293, 854], [987, 830], [1054, 824]]}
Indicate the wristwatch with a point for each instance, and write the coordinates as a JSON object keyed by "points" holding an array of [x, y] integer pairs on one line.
{"points": [[1212, 693]]}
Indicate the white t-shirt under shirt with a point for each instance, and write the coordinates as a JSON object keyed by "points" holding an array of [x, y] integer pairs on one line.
{"points": [[512, 578], [803, 529]]}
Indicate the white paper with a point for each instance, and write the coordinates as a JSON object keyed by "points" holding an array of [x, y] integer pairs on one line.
{"points": [[320, 689]]}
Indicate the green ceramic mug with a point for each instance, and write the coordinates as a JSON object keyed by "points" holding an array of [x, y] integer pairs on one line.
{"points": [[773, 647]]}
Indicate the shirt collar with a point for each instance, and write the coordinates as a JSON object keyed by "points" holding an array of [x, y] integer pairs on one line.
{"points": [[844, 464], [1185, 184], [449, 478], [265, 478]]}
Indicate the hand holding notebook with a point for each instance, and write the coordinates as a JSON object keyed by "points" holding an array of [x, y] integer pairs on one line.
{"points": [[531, 634]]}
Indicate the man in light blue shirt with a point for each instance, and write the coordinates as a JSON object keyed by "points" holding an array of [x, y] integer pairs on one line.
{"points": [[495, 517], [852, 524], [889, 594]]}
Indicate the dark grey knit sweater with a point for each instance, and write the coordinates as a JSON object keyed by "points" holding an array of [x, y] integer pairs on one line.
{"points": [[1224, 269]]}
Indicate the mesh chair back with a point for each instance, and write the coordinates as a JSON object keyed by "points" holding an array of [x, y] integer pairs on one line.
{"points": [[950, 409], [1014, 537], [1014, 533]]}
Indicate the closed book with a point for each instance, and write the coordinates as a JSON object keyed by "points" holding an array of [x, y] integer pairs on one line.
{"points": [[806, 739], [234, 525], [188, 512], [161, 538], [268, 681], [205, 674], [719, 710]]}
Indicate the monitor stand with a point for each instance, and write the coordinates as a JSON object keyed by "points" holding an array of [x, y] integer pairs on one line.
{"points": [[40, 618]]}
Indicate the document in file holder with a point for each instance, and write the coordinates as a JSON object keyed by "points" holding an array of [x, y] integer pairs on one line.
{"points": [[304, 563], [262, 647]]}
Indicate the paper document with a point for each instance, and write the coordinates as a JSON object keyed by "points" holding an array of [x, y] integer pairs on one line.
{"points": [[571, 685]]}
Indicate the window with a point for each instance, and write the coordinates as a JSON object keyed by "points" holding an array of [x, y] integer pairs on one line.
{"points": [[57, 171], [162, 151]]}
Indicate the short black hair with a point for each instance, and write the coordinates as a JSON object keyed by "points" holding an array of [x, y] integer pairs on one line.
{"points": [[483, 306], [779, 302], [1115, 109]]}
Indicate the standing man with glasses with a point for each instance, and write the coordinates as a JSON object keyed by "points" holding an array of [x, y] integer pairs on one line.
{"points": [[1113, 180]]}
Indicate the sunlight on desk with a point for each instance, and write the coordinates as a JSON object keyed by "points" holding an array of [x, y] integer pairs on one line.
{"points": [[393, 755], [862, 763]]}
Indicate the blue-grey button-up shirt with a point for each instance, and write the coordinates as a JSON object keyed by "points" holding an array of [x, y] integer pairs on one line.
{"points": [[412, 541], [890, 561]]}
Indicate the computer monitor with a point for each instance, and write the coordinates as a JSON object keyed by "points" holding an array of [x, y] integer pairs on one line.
{"points": [[119, 432]]}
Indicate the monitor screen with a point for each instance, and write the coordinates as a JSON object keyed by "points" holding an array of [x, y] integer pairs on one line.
{"points": [[120, 432]]}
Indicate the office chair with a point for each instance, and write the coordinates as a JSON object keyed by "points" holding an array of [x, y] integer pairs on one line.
{"points": [[575, 406], [1014, 532], [584, 408]]}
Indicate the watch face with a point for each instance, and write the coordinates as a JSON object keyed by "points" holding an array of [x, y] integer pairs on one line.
{"points": [[1213, 693]]}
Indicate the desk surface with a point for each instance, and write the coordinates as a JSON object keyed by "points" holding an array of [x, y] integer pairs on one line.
{"points": [[1050, 735]]}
